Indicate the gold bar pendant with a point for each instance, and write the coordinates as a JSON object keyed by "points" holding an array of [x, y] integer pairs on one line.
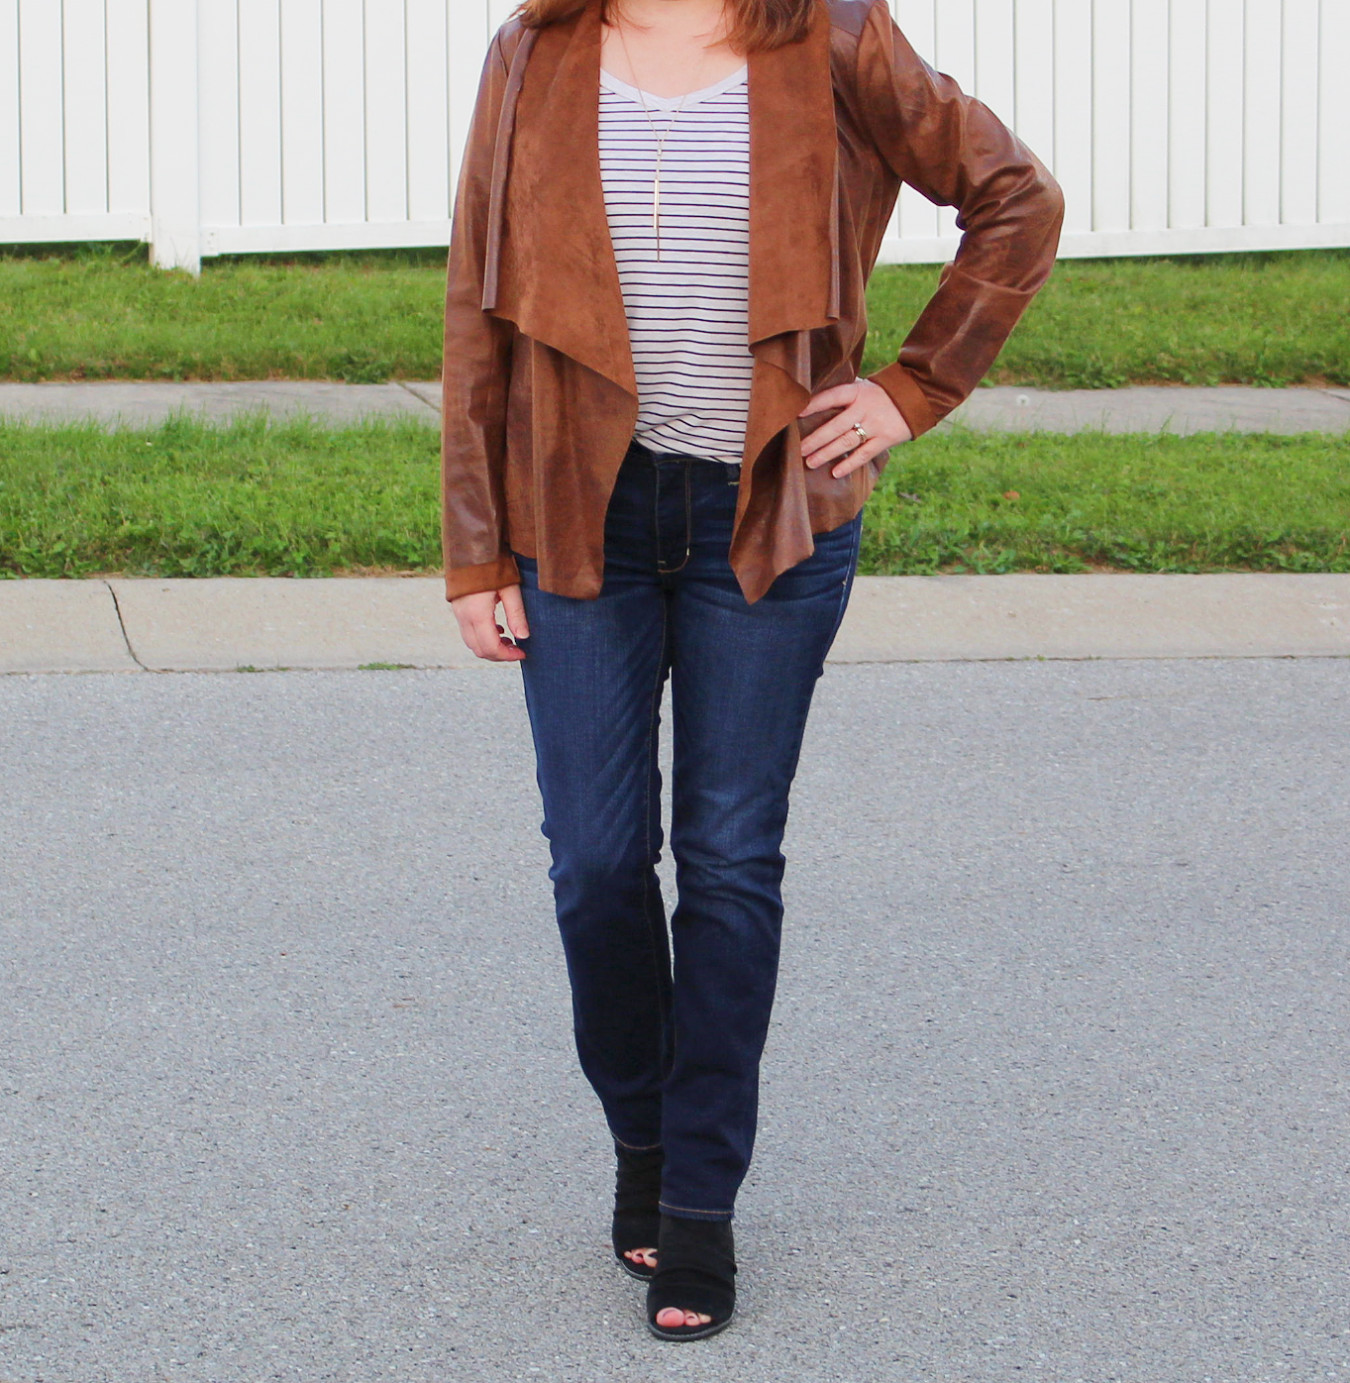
{"points": [[656, 212]]}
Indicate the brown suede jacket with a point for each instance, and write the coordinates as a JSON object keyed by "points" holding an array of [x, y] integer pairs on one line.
{"points": [[540, 399]]}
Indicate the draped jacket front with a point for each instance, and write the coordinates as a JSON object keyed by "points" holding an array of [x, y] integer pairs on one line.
{"points": [[539, 395]]}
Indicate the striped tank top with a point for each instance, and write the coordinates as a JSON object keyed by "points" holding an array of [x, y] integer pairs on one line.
{"points": [[688, 312]]}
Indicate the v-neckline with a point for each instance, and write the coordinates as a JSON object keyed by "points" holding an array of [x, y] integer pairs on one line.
{"points": [[669, 103]]}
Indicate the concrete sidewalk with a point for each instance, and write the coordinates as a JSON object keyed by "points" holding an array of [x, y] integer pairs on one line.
{"points": [[1181, 411], [204, 625], [225, 624], [144, 403]]}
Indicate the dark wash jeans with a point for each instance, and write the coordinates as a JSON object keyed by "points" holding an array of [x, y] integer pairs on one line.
{"points": [[673, 1051]]}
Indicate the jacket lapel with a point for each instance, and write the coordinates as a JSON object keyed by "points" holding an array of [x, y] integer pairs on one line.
{"points": [[793, 156], [794, 282], [557, 279], [551, 253]]}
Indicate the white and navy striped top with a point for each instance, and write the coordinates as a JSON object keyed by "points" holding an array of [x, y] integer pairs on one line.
{"points": [[688, 312]]}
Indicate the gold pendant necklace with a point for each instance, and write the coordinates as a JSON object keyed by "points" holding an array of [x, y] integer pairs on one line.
{"points": [[660, 138]]}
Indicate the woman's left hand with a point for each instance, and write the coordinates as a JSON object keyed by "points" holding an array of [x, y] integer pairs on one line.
{"points": [[864, 403]]}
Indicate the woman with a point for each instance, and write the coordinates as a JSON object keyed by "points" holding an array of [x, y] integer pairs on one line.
{"points": [[656, 453]]}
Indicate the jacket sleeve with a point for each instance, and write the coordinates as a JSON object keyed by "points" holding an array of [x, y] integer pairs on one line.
{"points": [[956, 151], [475, 371]]}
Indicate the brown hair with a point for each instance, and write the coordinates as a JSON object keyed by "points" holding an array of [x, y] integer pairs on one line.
{"points": [[755, 24]]}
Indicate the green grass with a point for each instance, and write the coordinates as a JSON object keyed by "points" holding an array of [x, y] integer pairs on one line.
{"points": [[1263, 319], [297, 499], [185, 499], [100, 312], [998, 502]]}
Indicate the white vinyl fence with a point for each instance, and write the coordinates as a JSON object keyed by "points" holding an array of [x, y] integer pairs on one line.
{"points": [[214, 127]]}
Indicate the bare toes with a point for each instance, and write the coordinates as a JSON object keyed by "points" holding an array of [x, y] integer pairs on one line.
{"points": [[671, 1316]]}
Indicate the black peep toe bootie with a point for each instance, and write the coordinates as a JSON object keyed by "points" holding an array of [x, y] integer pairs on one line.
{"points": [[637, 1221], [695, 1271]]}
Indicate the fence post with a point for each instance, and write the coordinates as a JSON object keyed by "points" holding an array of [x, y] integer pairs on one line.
{"points": [[175, 173]]}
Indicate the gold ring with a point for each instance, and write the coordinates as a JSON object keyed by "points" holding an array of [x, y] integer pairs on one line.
{"points": [[862, 433]]}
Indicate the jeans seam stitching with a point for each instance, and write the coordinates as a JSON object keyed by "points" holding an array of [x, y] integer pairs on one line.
{"points": [[649, 864], [688, 516], [848, 578]]}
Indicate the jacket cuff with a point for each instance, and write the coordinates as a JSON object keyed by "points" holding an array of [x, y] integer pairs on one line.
{"points": [[486, 576], [908, 397]]}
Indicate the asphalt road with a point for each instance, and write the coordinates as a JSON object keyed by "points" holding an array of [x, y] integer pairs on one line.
{"points": [[1056, 1088]]}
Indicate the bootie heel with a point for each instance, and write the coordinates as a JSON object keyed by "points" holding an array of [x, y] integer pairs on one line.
{"points": [[695, 1271]]}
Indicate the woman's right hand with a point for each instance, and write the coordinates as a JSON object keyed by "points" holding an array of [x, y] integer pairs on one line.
{"points": [[478, 627]]}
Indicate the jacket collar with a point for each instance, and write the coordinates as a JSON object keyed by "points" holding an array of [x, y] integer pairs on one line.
{"points": [[552, 267]]}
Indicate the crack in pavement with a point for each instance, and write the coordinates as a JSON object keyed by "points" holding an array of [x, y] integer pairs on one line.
{"points": [[122, 625], [408, 389]]}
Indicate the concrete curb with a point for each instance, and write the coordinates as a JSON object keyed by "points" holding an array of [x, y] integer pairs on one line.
{"points": [[1029, 615], [61, 626], [220, 624], [227, 624]]}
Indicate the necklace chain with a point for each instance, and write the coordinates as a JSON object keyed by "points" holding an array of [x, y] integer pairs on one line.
{"points": [[659, 137]]}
